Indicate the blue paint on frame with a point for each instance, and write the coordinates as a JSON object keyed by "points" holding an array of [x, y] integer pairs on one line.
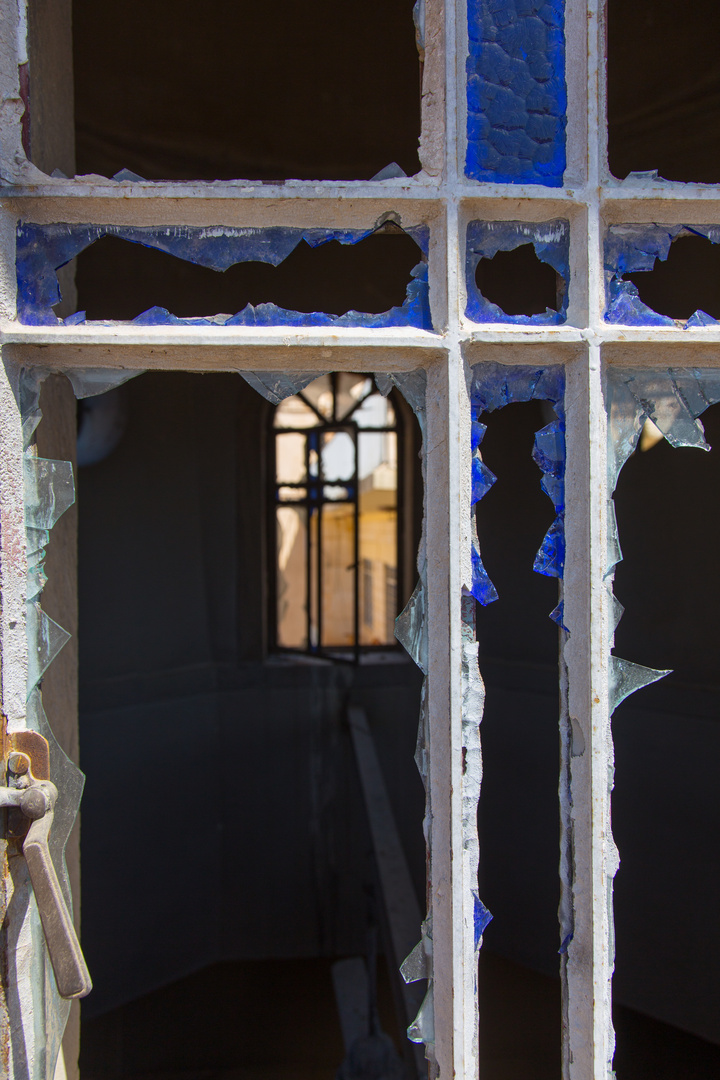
{"points": [[42, 249], [516, 92]]}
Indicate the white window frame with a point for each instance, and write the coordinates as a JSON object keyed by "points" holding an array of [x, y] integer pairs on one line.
{"points": [[444, 200]]}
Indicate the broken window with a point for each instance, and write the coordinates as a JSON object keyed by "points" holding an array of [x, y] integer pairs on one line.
{"points": [[184, 92], [251, 196]]}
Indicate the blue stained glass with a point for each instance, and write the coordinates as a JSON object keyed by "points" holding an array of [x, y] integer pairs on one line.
{"points": [[632, 248], [516, 92], [551, 241], [493, 387], [482, 479], [42, 249], [482, 587], [481, 918]]}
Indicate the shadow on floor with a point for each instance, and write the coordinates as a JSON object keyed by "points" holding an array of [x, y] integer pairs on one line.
{"points": [[252, 1020], [277, 1020]]}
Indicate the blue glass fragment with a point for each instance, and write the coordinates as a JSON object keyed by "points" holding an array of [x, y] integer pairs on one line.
{"points": [[42, 249], [482, 587], [700, 318], [558, 616], [562, 951], [631, 248], [492, 387], [482, 480], [481, 918], [550, 559], [551, 240], [516, 93], [477, 434]]}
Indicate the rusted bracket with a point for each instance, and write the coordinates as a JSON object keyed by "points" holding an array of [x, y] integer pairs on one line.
{"points": [[29, 796]]}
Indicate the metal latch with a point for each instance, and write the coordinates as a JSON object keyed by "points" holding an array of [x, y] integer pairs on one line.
{"points": [[30, 800]]}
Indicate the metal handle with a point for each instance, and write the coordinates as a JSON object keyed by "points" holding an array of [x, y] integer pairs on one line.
{"points": [[37, 800], [71, 973]]}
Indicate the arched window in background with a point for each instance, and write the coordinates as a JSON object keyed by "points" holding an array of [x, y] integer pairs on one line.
{"points": [[336, 495]]}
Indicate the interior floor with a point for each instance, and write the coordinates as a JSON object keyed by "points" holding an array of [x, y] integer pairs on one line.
{"points": [[277, 1020]]}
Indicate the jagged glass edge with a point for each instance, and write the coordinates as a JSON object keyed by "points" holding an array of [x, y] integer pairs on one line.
{"points": [[674, 399]]}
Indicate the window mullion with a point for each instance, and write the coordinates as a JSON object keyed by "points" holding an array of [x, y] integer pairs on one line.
{"points": [[587, 1034], [453, 851]]}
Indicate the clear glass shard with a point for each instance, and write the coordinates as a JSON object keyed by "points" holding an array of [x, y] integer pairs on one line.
{"points": [[415, 966], [690, 389], [411, 626], [70, 782], [45, 640], [421, 744], [616, 613], [30, 382], [275, 386], [49, 491], [661, 398], [36, 581], [625, 422], [88, 382], [422, 1029], [36, 540], [29, 426], [411, 384], [626, 678], [614, 551]]}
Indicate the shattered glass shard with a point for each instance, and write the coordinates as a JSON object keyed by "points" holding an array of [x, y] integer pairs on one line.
{"points": [[630, 248], [558, 616], [626, 678], [625, 422], [415, 966], [422, 1029], [482, 480], [663, 402], [616, 613], [477, 434], [275, 386], [550, 559], [481, 918], [42, 249], [482, 587], [494, 386], [88, 382], [549, 449], [551, 243], [70, 782], [49, 491], [411, 626], [411, 384], [45, 640]]}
